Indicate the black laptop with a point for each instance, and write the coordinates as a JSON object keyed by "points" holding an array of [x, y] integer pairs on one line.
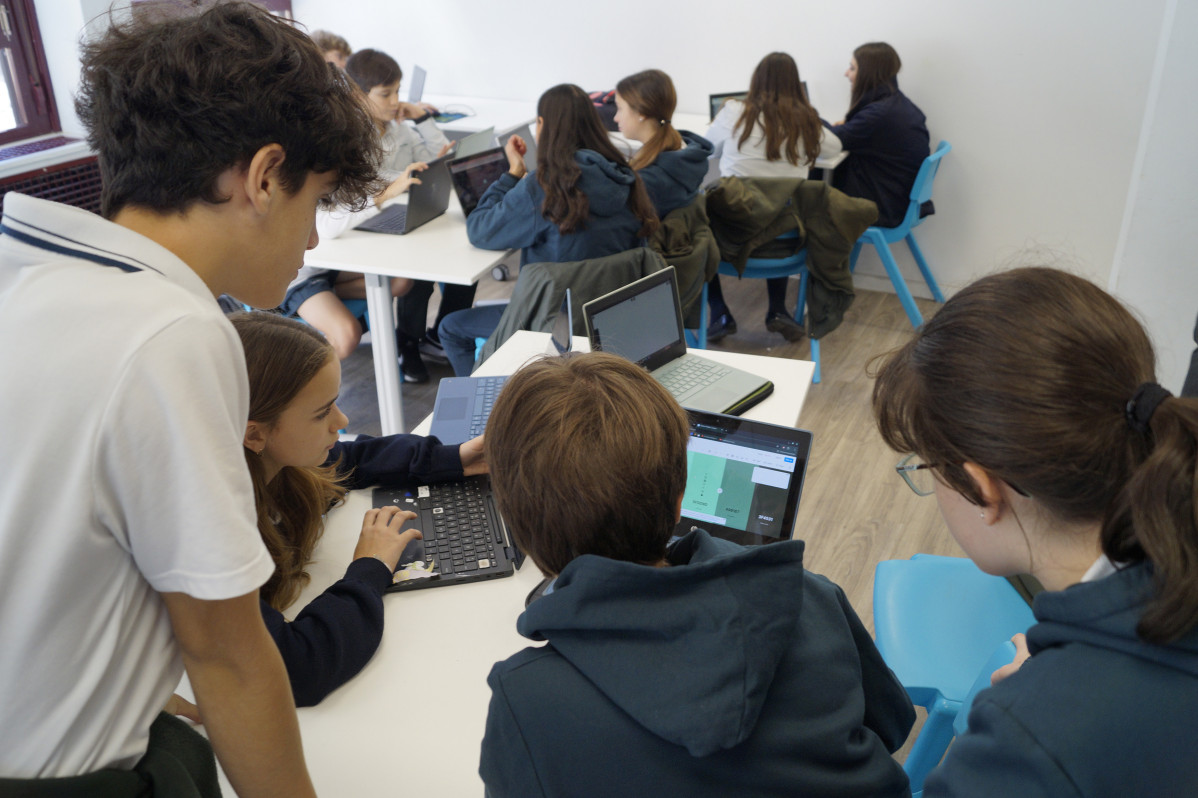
{"points": [[744, 478], [472, 175], [427, 200]]}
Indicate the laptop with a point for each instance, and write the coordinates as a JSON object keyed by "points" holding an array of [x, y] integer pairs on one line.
{"points": [[472, 175], [416, 89], [462, 407], [465, 540], [475, 143], [643, 322], [427, 200], [744, 478], [524, 131], [717, 101]]}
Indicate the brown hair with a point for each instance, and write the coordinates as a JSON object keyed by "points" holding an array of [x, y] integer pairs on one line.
{"points": [[282, 356], [1028, 373], [878, 66], [588, 456], [370, 68], [651, 94], [569, 124], [328, 42], [171, 101], [776, 98]]}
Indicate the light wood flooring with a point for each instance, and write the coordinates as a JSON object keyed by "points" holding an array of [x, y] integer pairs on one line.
{"points": [[855, 510]]}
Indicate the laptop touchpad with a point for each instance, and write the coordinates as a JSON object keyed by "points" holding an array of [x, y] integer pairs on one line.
{"points": [[452, 408]]}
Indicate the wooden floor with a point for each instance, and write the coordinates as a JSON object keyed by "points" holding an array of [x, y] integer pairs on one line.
{"points": [[855, 510]]}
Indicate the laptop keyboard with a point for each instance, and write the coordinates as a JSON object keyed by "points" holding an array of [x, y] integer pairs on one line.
{"points": [[689, 375], [460, 541], [393, 222], [484, 399]]}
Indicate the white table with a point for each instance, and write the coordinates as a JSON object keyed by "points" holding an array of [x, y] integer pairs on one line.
{"points": [[487, 112], [411, 723]]}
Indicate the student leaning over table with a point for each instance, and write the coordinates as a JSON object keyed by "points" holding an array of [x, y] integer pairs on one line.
{"points": [[695, 669], [124, 477], [1052, 451]]}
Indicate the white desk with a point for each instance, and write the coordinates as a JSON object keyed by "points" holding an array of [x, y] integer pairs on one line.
{"points": [[412, 722], [487, 112]]}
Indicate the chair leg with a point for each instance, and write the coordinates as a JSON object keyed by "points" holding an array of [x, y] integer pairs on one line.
{"points": [[815, 357], [933, 740], [923, 267], [896, 278], [698, 338], [855, 254], [800, 307]]}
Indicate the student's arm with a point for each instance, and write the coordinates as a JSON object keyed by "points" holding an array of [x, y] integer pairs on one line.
{"points": [[335, 635], [856, 133], [394, 460], [505, 766], [241, 689], [829, 143], [507, 216]]}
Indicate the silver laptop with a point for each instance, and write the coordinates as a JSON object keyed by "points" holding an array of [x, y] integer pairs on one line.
{"points": [[743, 478], [416, 89], [643, 322], [524, 131], [475, 143]]}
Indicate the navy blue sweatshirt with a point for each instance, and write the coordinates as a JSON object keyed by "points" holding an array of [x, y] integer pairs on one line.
{"points": [[337, 633], [887, 140], [509, 215], [674, 177], [732, 672]]}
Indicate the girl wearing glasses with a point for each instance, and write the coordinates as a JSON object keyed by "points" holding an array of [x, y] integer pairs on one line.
{"points": [[1052, 451]]}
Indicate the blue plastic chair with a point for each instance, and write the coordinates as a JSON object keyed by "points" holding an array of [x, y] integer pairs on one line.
{"points": [[937, 622], [763, 268], [1003, 655], [882, 237]]}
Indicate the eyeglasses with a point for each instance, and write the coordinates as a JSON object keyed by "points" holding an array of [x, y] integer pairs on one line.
{"points": [[917, 474], [919, 477]]}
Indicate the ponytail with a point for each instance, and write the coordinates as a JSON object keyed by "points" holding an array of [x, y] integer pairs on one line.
{"points": [[651, 94]]}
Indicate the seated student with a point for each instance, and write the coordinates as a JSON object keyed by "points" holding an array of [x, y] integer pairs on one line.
{"points": [[672, 163], [693, 668], [300, 469], [315, 294], [583, 201], [127, 524], [885, 134], [334, 48], [773, 132], [1051, 451]]}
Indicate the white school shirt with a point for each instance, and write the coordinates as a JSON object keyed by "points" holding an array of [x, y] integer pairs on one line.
{"points": [[749, 160], [124, 401]]}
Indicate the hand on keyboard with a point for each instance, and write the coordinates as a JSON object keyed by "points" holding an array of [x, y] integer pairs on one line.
{"points": [[382, 537]]}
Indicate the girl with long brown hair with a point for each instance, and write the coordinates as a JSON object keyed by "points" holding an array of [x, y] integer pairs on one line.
{"points": [[300, 469], [1030, 407], [583, 201], [773, 132], [672, 163], [885, 133]]}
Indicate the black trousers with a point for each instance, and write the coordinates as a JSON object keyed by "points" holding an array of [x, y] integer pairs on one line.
{"points": [[413, 307]]}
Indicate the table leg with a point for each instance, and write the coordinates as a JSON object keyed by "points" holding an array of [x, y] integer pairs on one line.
{"points": [[386, 357]]}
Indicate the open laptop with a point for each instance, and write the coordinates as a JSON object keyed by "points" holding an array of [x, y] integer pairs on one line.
{"points": [[744, 478], [475, 143], [416, 88], [465, 540], [472, 175], [643, 322], [716, 101], [524, 131], [427, 200]]}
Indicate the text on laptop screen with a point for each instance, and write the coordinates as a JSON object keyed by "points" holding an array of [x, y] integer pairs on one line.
{"points": [[739, 480], [640, 326]]}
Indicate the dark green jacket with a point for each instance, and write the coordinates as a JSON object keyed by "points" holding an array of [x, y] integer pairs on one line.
{"points": [[685, 241], [748, 214]]}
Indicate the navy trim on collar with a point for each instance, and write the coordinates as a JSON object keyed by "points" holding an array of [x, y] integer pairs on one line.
{"points": [[127, 265]]}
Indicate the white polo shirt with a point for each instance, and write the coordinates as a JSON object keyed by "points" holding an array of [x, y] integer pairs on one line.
{"points": [[749, 160], [123, 398]]}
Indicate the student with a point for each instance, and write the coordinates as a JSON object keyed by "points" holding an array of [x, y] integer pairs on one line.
{"points": [[300, 469], [1051, 451], [698, 668], [127, 524], [315, 295], [334, 48], [583, 201], [885, 134], [672, 163], [773, 132]]}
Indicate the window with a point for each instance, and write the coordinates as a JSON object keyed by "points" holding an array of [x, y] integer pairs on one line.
{"points": [[26, 100]]}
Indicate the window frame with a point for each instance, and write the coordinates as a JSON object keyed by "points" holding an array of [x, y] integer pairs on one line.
{"points": [[31, 74]]}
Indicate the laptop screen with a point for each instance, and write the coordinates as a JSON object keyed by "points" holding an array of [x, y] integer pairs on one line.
{"points": [[744, 478], [473, 175], [416, 89], [641, 322]]}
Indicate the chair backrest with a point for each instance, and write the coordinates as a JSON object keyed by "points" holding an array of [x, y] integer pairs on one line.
{"points": [[921, 189]]}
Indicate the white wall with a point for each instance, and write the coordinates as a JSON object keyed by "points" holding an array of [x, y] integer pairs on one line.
{"points": [[1044, 101], [1156, 271]]}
